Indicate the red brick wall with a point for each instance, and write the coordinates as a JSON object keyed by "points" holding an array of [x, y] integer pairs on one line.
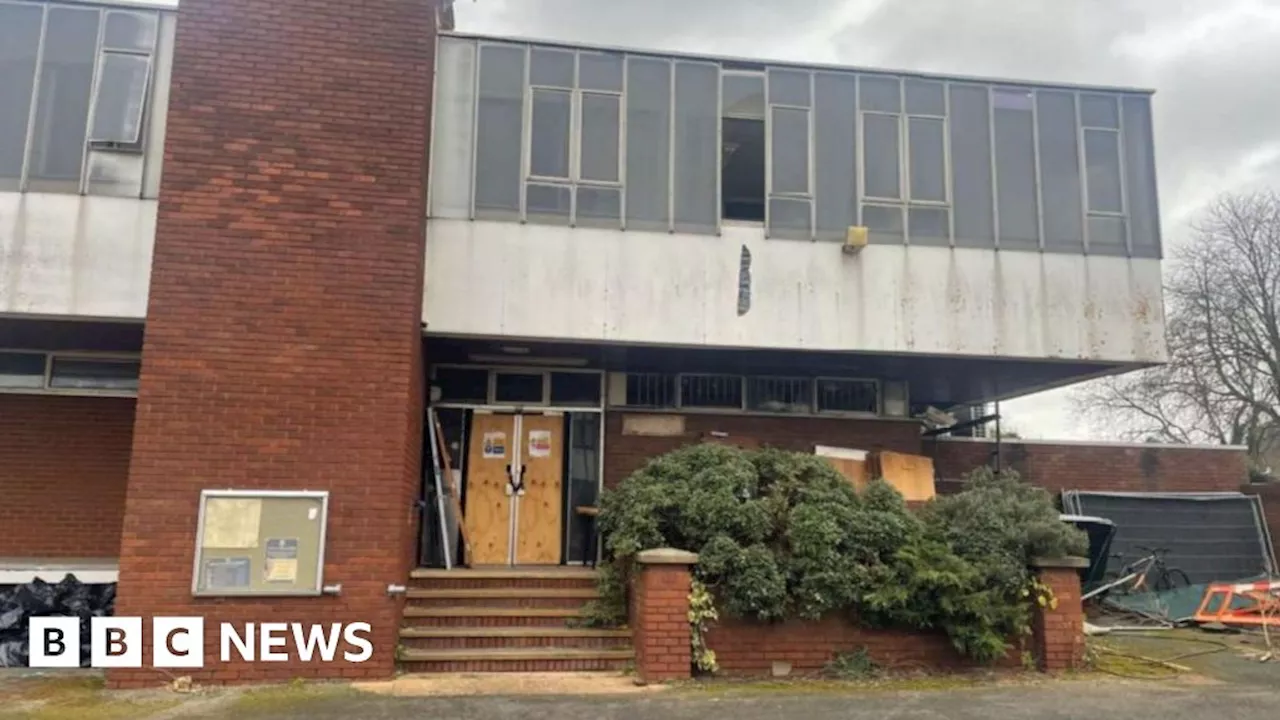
{"points": [[64, 463], [751, 648], [660, 622], [283, 332], [1058, 631], [624, 454], [1099, 467]]}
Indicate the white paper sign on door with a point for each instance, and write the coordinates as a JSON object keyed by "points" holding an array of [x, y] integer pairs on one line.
{"points": [[539, 443], [495, 445]]}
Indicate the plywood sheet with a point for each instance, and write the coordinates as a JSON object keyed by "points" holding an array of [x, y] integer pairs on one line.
{"points": [[912, 475], [488, 511], [653, 425], [539, 515], [850, 463]]}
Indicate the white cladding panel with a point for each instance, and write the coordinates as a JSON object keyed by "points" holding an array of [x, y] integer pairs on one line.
{"points": [[545, 282], [73, 255]]}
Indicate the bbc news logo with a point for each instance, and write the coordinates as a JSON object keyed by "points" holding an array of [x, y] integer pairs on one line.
{"points": [[178, 642]]}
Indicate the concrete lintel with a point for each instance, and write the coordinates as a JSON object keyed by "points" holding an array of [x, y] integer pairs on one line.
{"points": [[666, 556]]}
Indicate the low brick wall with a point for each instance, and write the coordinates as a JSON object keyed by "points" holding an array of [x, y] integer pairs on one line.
{"points": [[751, 648], [660, 632], [1099, 466]]}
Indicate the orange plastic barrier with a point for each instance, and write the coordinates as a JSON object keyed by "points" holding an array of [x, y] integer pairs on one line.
{"points": [[1254, 603]]}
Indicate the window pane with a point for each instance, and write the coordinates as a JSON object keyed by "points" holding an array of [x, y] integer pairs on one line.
{"points": [[129, 31], [884, 223], [927, 147], [575, 388], [549, 150], [780, 395], [498, 129], [19, 43], [551, 67], [600, 116], [742, 169], [790, 150], [1102, 158], [21, 370], [1007, 99], [454, 111], [743, 96], [548, 203], [1099, 111], [599, 206], [834, 153], [584, 479], [1106, 235], [789, 87], [925, 98], [599, 72], [122, 93], [880, 93], [928, 226], [971, 166], [648, 142], [462, 384], [1016, 180], [789, 218], [717, 391], [847, 396], [509, 387], [880, 145], [1060, 188], [651, 390], [94, 374], [66, 80], [697, 148], [1140, 178]]}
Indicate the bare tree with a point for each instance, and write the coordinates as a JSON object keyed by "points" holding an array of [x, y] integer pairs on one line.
{"points": [[1222, 382]]}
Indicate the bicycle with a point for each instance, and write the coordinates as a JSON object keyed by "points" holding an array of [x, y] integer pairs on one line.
{"points": [[1137, 576]]}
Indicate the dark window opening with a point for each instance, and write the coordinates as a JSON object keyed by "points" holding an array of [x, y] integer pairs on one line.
{"points": [[652, 390], [742, 169], [519, 388], [711, 391], [462, 384], [575, 388], [860, 396], [86, 374]]}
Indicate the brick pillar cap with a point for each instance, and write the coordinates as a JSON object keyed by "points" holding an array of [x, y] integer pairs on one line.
{"points": [[1075, 563], [666, 556]]}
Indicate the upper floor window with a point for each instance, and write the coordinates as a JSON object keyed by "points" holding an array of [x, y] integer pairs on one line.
{"points": [[74, 84], [561, 135]]}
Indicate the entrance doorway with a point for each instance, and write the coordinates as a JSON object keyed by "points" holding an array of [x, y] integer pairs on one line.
{"points": [[515, 484]]}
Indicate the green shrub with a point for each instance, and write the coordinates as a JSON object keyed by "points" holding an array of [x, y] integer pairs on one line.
{"points": [[783, 535]]}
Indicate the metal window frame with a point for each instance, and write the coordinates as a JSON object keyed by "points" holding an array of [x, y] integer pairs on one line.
{"points": [[29, 143], [863, 196], [1035, 161], [490, 404], [879, 395], [1084, 153], [205, 495], [992, 90], [46, 386], [742, 390], [546, 387], [808, 381]]}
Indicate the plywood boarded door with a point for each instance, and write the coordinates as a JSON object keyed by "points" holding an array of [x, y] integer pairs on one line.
{"points": [[539, 513], [488, 511]]}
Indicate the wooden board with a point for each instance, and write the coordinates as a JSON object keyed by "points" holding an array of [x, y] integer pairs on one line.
{"points": [[488, 512], [912, 475], [540, 519], [850, 463]]}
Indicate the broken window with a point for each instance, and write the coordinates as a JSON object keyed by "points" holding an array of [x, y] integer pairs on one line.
{"points": [[742, 152], [711, 391], [845, 395], [780, 395]]}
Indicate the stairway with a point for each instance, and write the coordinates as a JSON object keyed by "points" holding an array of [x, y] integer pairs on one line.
{"points": [[505, 620]]}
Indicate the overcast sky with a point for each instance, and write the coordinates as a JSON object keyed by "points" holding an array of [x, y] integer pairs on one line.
{"points": [[1213, 63]]}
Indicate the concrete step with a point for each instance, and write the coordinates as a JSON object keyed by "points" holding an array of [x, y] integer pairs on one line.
{"points": [[501, 597], [463, 617], [470, 638], [515, 660]]}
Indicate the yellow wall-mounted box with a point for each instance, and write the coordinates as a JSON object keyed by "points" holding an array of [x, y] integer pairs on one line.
{"points": [[855, 239]]}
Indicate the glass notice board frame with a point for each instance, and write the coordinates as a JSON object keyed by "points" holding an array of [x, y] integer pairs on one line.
{"points": [[260, 543]]}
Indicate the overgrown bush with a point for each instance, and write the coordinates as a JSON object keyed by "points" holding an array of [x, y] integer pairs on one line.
{"points": [[783, 535]]}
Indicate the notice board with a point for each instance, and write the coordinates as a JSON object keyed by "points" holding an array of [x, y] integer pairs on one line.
{"points": [[260, 542]]}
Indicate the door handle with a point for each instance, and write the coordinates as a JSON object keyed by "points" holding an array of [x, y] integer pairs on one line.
{"points": [[515, 483], [520, 485]]}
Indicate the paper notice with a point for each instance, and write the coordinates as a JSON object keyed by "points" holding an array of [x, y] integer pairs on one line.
{"points": [[539, 443], [226, 573], [282, 560], [231, 522], [312, 513], [495, 445]]}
